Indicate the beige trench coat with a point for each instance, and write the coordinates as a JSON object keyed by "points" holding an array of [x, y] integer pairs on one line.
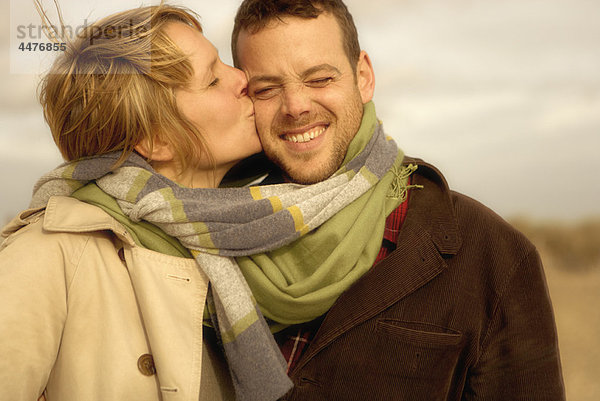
{"points": [[86, 315]]}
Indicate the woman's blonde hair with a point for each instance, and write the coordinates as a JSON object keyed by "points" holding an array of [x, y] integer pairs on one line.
{"points": [[114, 87]]}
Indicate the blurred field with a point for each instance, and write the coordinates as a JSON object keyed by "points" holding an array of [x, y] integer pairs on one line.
{"points": [[571, 255]]}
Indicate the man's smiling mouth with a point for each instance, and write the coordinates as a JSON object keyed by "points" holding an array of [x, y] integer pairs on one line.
{"points": [[306, 136]]}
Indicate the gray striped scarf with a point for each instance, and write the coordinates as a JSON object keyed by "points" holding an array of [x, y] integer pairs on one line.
{"points": [[218, 224]]}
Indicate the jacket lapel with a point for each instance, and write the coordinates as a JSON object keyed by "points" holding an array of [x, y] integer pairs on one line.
{"points": [[429, 232]]}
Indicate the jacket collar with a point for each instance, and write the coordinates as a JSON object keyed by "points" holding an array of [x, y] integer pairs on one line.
{"points": [[432, 208], [429, 235], [69, 215]]}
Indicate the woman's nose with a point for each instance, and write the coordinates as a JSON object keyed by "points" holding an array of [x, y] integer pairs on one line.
{"points": [[241, 82]]}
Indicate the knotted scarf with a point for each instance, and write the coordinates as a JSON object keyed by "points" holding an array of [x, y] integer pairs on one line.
{"points": [[345, 213]]}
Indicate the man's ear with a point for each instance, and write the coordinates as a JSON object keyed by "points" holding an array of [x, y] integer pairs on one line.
{"points": [[158, 151], [365, 77]]}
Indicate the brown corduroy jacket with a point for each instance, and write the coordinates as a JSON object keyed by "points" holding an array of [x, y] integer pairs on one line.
{"points": [[459, 311]]}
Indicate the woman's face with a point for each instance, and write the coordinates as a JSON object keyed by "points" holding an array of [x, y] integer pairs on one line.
{"points": [[216, 102]]}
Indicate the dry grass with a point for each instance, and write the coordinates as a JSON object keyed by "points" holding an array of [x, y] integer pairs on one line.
{"points": [[572, 247], [571, 255]]}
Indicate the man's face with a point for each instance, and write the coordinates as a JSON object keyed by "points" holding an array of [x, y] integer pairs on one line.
{"points": [[308, 100]]}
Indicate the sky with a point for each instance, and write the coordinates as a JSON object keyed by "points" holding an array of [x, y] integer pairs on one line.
{"points": [[502, 96]]}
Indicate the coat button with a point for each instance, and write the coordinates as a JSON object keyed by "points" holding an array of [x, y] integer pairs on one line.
{"points": [[146, 365]]}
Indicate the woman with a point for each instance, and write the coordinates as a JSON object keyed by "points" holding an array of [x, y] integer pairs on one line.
{"points": [[94, 304]]}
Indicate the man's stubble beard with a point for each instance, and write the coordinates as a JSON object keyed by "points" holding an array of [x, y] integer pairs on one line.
{"points": [[339, 148]]}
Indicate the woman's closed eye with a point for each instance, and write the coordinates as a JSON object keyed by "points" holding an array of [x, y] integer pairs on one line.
{"points": [[215, 82]]}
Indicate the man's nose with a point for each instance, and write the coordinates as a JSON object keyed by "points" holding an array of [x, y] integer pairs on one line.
{"points": [[296, 101]]}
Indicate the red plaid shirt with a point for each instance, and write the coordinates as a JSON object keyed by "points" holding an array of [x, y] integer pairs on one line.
{"points": [[294, 340]]}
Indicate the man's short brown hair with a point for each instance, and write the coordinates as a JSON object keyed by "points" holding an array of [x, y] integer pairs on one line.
{"points": [[254, 15]]}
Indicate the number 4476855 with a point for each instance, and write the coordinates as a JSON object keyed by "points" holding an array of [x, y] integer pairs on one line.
{"points": [[43, 47]]}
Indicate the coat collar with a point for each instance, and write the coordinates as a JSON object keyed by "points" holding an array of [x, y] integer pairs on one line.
{"points": [[69, 215], [432, 208], [429, 234]]}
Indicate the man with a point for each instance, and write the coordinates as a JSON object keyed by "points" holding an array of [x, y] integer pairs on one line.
{"points": [[455, 306]]}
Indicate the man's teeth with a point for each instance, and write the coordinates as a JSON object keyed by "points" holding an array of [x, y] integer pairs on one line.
{"points": [[305, 137]]}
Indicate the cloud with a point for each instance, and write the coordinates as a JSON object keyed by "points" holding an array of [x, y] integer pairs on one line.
{"points": [[503, 96]]}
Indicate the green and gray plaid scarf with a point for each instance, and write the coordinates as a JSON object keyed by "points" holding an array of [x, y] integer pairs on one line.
{"points": [[217, 225]]}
